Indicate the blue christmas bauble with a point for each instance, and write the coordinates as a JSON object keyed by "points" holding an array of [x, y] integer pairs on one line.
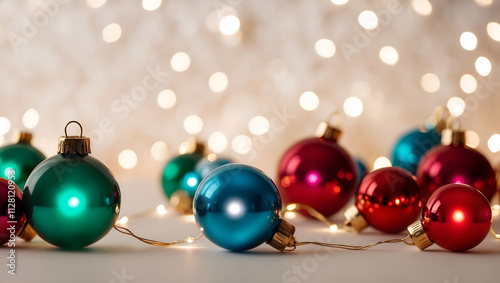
{"points": [[410, 148], [237, 207], [205, 166], [361, 169]]}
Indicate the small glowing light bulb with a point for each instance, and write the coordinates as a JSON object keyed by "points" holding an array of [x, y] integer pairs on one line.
{"points": [[189, 240], [291, 206], [123, 220], [161, 209], [334, 228]]}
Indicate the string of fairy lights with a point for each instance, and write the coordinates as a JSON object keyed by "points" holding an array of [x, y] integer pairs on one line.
{"points": [[231, 26]]}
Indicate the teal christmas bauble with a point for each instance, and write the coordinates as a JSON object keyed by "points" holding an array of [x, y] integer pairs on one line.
{"points": [[19, 159], [71, 200], [237, 207], [175, 170], [410, 148]]}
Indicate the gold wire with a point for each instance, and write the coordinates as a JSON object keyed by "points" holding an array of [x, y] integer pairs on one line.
{"points": [[309, 209], [494, 234], [349, 247], [126, 231]]}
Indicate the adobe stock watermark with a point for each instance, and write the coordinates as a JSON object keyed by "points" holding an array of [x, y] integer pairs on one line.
{"points": [[121, 108], [298, 273], [277, 124], [40, 18], [11, 212], [226, 7], [363, 37], [122, 277]]}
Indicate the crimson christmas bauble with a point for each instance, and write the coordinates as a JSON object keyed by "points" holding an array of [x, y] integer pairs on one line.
{"points": [[457, 217], [318, 172], [456, 163], [12, 218], [388, 199]]}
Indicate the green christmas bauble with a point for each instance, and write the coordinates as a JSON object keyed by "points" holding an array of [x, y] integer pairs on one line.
{"points": [[175, 170], [21, 158], [72, 200]]}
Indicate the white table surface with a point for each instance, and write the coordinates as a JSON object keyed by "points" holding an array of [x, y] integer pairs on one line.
{"points": [[120, 258]]}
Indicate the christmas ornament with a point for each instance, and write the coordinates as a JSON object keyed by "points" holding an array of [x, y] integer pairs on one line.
{"points": [[20, 159], [208, 164], [71, 200], [175, 176], [410, 148], [12, 219], [318, 172], [456, 217], [455, 162], [387, 199]]}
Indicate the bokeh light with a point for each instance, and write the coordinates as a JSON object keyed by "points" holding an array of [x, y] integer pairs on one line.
{"points": [[381, 162], [456, 105], [193, 124], [493, 30], [4, 125], [484, 3], [242, 144], [468, 83], [494, 143], [258, 125], [472, 139], [368, 20], [389, 55], [218, 82], [111, 33], [325, 48], [127, 159], [339, 2], [159, 151], [353, 106], [166, 99], [483, 66], [180, 62], [151, 5], [422, 7], [217, 142], [309, 101], [430, 83], [96, 3], [30, 118], [468, 40], [229, 25]]}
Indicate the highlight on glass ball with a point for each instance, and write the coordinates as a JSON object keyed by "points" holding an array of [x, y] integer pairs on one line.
{"points": [[456, 217], [318, 172], [237, 207], [72, 200], [19, 159], [388, 199], [455, 162]]}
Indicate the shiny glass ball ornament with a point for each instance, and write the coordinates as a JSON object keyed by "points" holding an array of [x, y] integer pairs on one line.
{"points": [[177, 167], [455, 163], [388, 199], [456, 217], [318, 172], [237, 207], [12, 219], [72, 200], [410, 148], [208, 164], [20, 158]]}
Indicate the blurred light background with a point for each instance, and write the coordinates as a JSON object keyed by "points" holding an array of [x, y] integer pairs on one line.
{"points": [[248, 78]]}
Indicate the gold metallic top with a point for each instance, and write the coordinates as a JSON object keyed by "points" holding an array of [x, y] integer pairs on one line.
{"points": [[325, 129], [24, 137], [354, 219], [418, 236], [194, 146], [182, 202], [283, 237], [453, 134], [73, 144], [27, 233]]}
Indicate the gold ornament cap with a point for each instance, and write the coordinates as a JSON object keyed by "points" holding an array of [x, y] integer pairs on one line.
{"points": [[182, 202], [354, 219], [283, 237], [453, 134], [439, 118], [24, 137], [325, 129], [192, 145], [79, 145], [418, 236], [27, 233]]}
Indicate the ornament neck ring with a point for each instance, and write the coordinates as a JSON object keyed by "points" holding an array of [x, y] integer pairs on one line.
{"points": [[66, 128]]}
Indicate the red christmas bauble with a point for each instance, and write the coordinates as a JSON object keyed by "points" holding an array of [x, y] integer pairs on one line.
{"points": [[457, 217], [389, 199], [319, 173], [12, 217], [456, 164]]}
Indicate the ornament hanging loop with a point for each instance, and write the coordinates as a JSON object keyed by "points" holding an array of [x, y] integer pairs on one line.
{"points": [[453, 123], [439, 118], [66, 128], [335, 118], [453, 134]]}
